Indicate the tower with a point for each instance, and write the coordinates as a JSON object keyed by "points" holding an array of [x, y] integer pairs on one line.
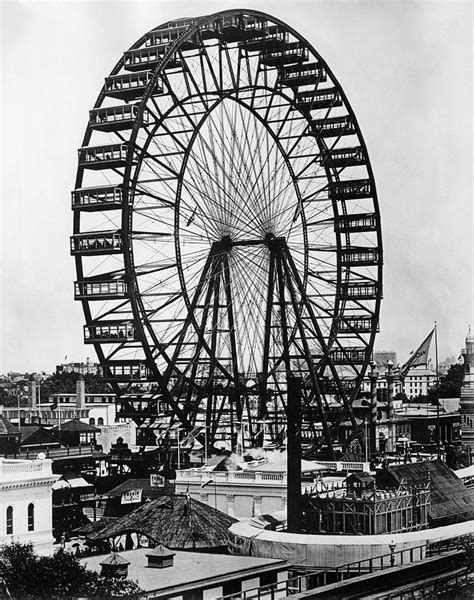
{"points": [[33, 395], [80, 392], [467, 392]]}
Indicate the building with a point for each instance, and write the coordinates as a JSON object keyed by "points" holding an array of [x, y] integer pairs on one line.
{"points": [[197, 575], [26, 500], [382, 357], [467, 392], [418, 381], [87, 368]]}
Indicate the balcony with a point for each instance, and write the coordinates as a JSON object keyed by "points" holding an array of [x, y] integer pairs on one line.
{"points": [[106, 197]]}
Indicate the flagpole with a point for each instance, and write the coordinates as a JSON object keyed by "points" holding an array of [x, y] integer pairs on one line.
{"points": [[438, 429]]}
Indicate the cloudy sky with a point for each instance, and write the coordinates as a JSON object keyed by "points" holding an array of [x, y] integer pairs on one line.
{"points": [[406, 67]]}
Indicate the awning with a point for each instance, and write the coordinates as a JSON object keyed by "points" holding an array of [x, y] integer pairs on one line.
{"points": [[71, 482]]}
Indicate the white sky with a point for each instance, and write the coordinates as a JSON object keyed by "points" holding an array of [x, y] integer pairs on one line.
{"points": [[406, 67]]}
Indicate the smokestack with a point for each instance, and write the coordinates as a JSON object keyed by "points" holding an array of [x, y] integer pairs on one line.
{"points": [[80, 392]]}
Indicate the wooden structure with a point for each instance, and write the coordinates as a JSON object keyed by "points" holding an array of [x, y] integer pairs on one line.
{"points": [[160, 558], [361, 508], [75, 433], [178, 522]]}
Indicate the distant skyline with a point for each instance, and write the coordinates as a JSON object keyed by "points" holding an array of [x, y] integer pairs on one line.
{"points": [[406, 68]]}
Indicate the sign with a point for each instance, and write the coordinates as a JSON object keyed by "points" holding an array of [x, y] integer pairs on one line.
{"points": [[157, 480], [131, 497]]}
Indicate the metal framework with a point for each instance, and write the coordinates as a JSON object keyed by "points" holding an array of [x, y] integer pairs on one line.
{"points": [[227, 231]]}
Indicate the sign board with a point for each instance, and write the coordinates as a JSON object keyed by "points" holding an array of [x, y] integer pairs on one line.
{"points": [[157, 480], [131, 497]]}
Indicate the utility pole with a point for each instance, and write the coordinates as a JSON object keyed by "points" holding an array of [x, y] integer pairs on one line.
{"points": [[293, 478]]}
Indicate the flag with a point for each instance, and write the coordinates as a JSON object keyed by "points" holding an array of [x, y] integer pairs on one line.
{"points": [[420, 357]]}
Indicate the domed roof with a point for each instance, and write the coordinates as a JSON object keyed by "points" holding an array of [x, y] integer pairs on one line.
{"points": [[470, 337]]}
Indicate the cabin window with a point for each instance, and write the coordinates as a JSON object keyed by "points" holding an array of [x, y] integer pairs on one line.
{"points": [[31, 517], [9, 520]]}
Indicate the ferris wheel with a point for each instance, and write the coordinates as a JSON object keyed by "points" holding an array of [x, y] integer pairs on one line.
{"points": [[227, 231]]}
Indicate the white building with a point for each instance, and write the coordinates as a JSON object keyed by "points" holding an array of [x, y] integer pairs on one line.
{"points": [[26, 500]]}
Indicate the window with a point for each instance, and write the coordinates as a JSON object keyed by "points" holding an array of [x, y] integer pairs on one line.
{"points": [[9, 520], [92, 421], [31, 517], [100, 421]]}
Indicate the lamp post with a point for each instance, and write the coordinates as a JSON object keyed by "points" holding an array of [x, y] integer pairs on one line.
{"points": [[206, 483], [392, 547]]}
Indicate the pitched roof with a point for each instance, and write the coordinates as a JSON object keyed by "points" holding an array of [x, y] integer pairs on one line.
{"points": [[74, 425], [7, 426], [451, 501], [148, 491], [115, 559], [177, 522]]}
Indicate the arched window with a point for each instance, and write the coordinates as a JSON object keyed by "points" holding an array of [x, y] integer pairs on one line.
{"points": [[9, 520], [92, 421], [31, 517], [100, 421]]}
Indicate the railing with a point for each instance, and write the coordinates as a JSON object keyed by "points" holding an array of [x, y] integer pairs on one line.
{"points": [[318, 578], [11, 470], [85, 449], [190, 475]]}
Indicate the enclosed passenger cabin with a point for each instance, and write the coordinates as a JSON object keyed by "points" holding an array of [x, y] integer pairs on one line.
{"points": [[148, 58], [351, 190], [100, 289], [124, 370], [332, 127], [291, 53], [313, 100], [343, 157], [237, 28], [266, 38], [105, 197], [359, 256], [96, 243], [302, 74], [147, 406], [356, 223], [109, 156], [130, 86], [358, 324], [110, 332], [358, 290], [344, 356], [169, 35], [116, 118]]}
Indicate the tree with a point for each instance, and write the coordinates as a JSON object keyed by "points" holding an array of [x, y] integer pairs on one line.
{"points": [[449, 385], [58, 577]]}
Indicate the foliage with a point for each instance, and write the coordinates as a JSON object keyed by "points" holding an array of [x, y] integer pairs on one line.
{"points": [[58, 577], [65, 383], [450, 384]]}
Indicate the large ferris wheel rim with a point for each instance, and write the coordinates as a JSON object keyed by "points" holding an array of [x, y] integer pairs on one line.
{"points": [[156, 72]]}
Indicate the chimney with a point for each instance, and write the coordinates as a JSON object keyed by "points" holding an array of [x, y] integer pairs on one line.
{"points": [[114, 566], [80, 392], [32, 392], [160, 558]]}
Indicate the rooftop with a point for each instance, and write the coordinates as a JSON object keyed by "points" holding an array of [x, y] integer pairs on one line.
{"points": [[188, 570]]}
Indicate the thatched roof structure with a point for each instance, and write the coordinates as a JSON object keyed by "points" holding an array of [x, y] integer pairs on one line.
{"points": [[451, 501], [177, 522]]}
